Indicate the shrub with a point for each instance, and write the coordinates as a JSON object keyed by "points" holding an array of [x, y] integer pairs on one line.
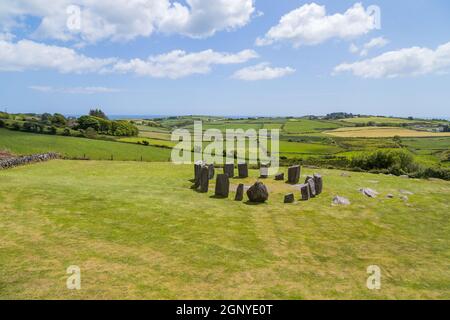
{"points": [[52, 130], [15, 126], [4, 115], [58, 120], [2, 123], [397, 162], [66, 132], [145, 142]]}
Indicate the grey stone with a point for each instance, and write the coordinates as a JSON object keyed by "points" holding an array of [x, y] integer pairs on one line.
{"points": [[390, 196], [369, 192], [312, 186], [228, 169], [404, 198], [19, 161], [337, 200], [239, 193], [406, 192], [197, 168], [258, 193], [279, 177], [243, 170], [304, 189], [294, 174], [222, 186], [264, 172], [289, 198], [211, 171], [318, 181], [204, 179]]}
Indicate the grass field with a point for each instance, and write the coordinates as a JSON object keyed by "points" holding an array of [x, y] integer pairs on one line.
{"points": [[382, 132], [305, 126], [29, 143], [137, 231], [386, 120]]}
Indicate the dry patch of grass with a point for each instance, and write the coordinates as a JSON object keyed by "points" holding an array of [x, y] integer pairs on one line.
{"points": [[382, 132]]}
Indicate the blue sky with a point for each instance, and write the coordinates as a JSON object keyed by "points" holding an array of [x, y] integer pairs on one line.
{"points": [[123, 58]]}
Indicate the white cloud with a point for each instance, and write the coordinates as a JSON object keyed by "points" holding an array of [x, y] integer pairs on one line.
{"points": [[413, 61], [262, 71], [310, 25], [30, 55], [122, 20], [178, 63], [379, 42], [75, 90]]}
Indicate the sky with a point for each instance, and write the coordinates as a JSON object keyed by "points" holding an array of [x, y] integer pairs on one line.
{"points": [[226, 57]]}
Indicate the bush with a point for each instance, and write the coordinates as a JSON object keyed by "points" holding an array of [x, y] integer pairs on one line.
{"points": [[145, 142], [2, 123], [16, 126], [4, 115], [397, 162], [52, 130], [66, 132]]}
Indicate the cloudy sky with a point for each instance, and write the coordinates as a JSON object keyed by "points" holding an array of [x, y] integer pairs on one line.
{"points": [[226, 57]]}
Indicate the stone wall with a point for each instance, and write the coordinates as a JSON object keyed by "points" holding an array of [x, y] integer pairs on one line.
{"points": [[19, 161]]}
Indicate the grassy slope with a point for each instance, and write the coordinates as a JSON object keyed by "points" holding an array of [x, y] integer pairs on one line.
{"points": [[138, 231], [28, 143]]}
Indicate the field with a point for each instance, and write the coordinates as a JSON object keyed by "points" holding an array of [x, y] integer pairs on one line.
{"points": [[28, 143], [382, 132], [138, 231]]}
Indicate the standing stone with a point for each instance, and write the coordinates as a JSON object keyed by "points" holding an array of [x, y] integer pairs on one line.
{"points": [[197, 168], [239, 193], [228, 169], [279, 177], [243, 170], [319, 183], [222, 186], [304, 189], [211, 171], [294, 174], [204, 179], [289, 198], [258, 193], [312, 186], [264, 172]]}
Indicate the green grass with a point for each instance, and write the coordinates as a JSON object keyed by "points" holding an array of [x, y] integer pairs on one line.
{"points": [[29, 143], [305, 126], [138, 231]]}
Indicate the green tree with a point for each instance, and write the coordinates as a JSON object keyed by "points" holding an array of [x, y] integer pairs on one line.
{"points": [[58, 120], [98, 113]]}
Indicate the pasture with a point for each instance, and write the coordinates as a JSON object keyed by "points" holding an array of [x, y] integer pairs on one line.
{"points": [[138, 231]]}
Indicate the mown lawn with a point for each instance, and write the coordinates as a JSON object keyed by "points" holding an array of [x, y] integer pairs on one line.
{"points": [[29, 143], [138, 231]]}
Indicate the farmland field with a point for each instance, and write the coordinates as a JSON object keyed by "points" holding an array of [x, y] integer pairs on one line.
{"points": [[28, 143], [137, 231], [383, 132]]}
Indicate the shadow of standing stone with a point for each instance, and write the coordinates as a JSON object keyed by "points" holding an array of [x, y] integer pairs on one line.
{"points": [[222, 186], [239, 193]]}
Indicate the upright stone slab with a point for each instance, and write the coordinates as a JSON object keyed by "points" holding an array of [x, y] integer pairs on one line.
{"points": [[258, 193], [304, 189], [312, 186], [239, 193], [228, 169], [222, 186], [264, 172], [204, 179], [211, 171], [197, 168], [289, 198], [319, 183], [294, 174], [279, 177], [243, 170]]}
